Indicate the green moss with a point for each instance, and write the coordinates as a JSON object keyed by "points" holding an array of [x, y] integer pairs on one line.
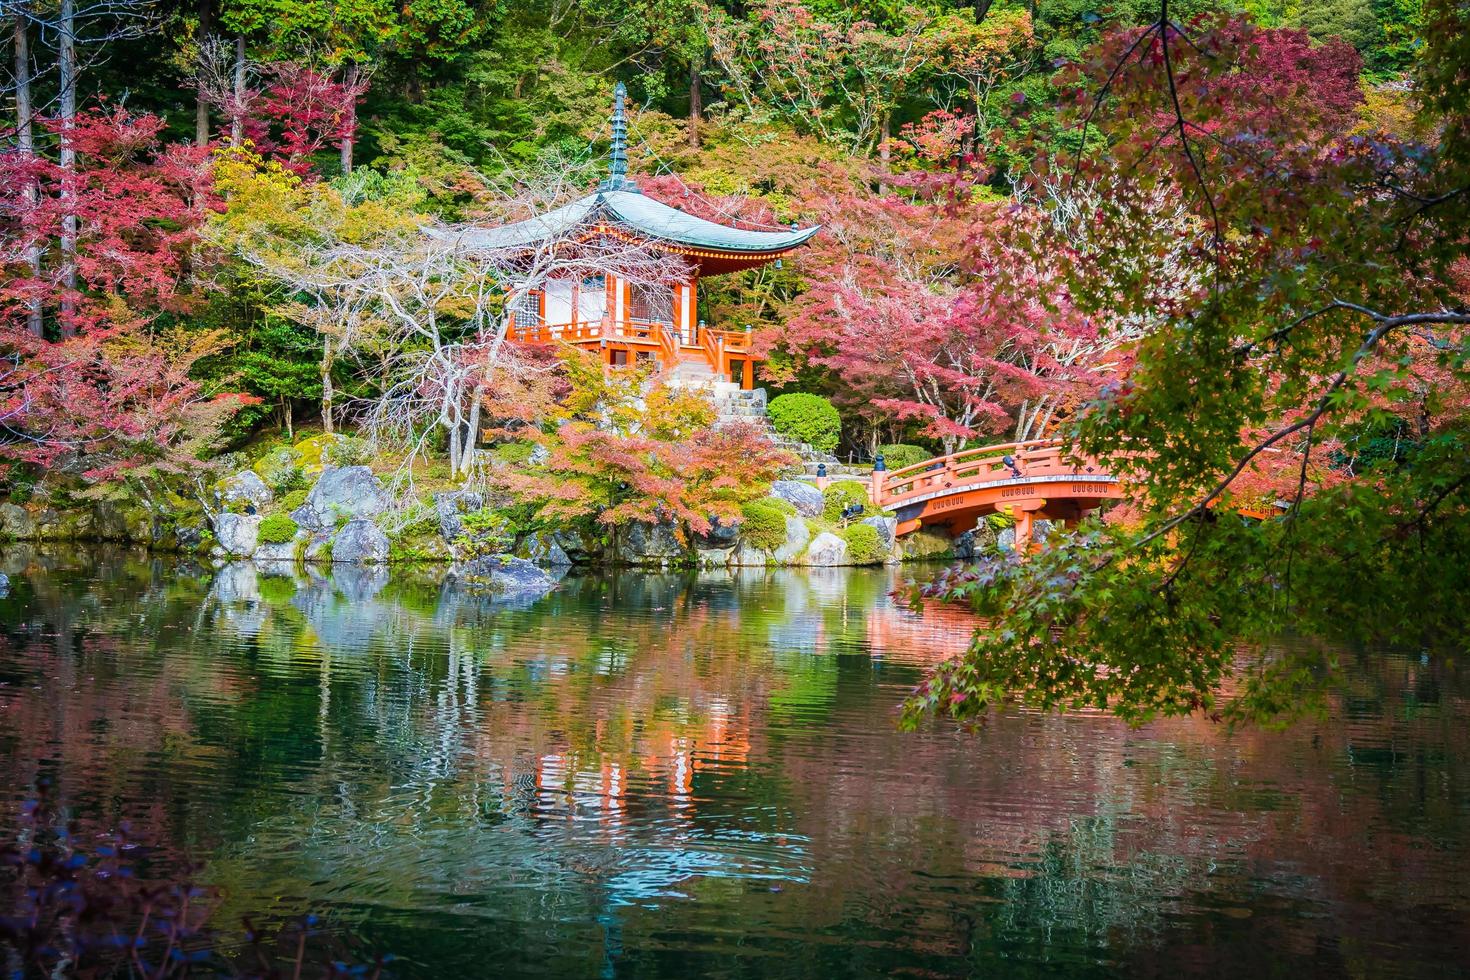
{"points": [[782, 504], [763, 524], [514, 453], [841, 495], [864, 545], [277, 529], [292, 500], [806, 418]]}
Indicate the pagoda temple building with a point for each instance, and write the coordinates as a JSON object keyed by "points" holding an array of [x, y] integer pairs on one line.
{"points": [[628, 322]]}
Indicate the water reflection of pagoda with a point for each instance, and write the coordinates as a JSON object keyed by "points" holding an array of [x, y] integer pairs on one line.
{"points": [[626, 322]]}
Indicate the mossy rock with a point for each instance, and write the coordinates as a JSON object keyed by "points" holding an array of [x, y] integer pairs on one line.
{"points": [[418, 547], [926, 544], [311, 453]]}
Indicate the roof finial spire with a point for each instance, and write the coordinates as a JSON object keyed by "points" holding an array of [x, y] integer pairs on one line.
{"points": [[617, 177]]}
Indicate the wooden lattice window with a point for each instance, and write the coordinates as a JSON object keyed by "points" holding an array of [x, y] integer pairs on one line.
{"points": [[653, 304], [527, 308]]}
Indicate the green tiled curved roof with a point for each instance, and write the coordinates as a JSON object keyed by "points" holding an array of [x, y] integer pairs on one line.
{"points": [[658, 221], [642, 215]]}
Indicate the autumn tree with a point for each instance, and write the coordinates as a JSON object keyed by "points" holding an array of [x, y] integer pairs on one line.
{"points": [[622, 448], [1331, 291]]}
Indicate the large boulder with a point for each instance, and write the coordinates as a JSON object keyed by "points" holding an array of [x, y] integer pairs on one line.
{"points": [[350, 492], [926, 543], [360, 542], [503, 574], [451, 506], [721, 534], [580, 547], [806, 498], [650, 544], [16, 523], [283, 551], [715, 548], [237, 534], [246, 488], [4, 584], [887, 528], [713, 557], [188, 536], [797, 536], [318, 548], [826, 550], [543, 551]]}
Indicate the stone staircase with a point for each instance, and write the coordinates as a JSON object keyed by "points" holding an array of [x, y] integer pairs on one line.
{"points": [[735, 404]]}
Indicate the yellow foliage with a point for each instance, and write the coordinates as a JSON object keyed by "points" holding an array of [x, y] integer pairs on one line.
{"points": [[310, 452], [270, 209]]}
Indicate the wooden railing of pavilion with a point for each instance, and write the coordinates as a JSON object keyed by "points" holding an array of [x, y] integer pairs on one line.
{"points": [[717, 347]]}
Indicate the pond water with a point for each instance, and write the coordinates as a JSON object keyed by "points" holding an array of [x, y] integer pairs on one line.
{"points": [[679, 775]]}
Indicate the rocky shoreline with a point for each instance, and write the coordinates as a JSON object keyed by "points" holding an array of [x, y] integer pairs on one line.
{"points": [[347, 517]]}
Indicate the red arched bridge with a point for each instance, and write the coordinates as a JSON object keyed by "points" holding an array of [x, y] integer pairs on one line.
{"points": [[1028, 480]]}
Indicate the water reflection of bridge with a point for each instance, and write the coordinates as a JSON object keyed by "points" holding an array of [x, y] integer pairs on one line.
{"points": [[1028, 480]]}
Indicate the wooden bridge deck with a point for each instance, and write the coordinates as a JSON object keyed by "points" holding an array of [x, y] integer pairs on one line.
{"points": [[1028, 480]]}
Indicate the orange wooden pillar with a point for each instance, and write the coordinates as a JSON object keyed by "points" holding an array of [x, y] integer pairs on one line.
{"points": [[880, 476], [747, 376], [1025, 514], [1023, 532]]}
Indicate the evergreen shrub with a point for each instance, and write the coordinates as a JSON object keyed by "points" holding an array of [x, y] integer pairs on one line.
{"points": [[900, 454], [764, 524], [864, 544], [806, 418]]}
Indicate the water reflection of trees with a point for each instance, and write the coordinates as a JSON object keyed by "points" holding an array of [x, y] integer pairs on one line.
{"points": [[430, 755]]}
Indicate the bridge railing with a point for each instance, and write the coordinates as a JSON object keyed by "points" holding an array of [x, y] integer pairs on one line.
{"points": [[969, 467]]}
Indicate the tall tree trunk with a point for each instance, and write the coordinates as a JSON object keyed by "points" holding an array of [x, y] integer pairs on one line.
{"points": [[982, 8], [885, 153], [472, 437], [349, 125], [237, 112], [25, 141], [453, 426], [67, 79], [327, 388], [201, 103], [696, 105]]}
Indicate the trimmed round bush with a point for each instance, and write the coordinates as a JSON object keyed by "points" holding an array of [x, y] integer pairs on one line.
{"points": [[864, 546], [276, 529], [900, 454], [806, 418], [841, 495], [763, 524]]}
